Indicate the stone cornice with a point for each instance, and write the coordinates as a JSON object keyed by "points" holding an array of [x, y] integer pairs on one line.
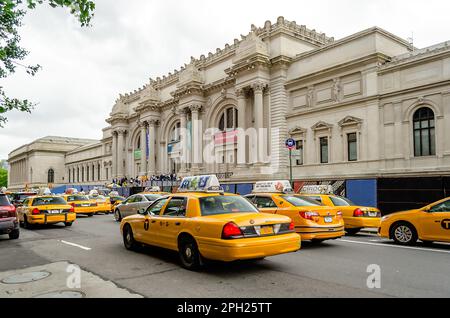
{"points": [[249, 65], [375, 57]]}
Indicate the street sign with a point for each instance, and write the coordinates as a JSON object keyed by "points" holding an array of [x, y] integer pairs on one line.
{"points": [[291, 144]]}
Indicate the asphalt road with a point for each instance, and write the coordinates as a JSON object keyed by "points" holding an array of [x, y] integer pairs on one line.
{"points": [[331, 269]]}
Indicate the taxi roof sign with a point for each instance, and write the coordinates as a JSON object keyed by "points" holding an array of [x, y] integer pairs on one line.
{"points": [[153, 189], [201, 184], [317, 189], [281, 186]]}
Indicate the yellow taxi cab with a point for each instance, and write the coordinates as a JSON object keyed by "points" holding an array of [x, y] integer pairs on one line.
{"points": [[201, 222], [81, 204], [154, 190], [115, 201], [313, 221], [355, 217], [45, 209], [428, 224], [103, 203]]}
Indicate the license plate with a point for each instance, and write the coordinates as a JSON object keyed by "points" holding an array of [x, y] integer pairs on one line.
{"points": [[54, 211], [266, 230], [373, 214], [328, 219]]}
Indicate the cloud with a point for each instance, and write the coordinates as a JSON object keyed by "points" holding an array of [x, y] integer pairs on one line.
{"points": [[85, 69]]}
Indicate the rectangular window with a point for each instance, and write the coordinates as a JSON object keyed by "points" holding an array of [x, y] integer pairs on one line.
{"points": [[324, 150], [299, 147], [352, 147]]}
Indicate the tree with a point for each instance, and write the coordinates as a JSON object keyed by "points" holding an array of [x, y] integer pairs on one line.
{"points": [[3, 178], [11, 53]]}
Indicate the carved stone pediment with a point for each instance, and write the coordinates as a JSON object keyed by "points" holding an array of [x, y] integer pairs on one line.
{"points": [[190, 74], [350, 121], [119, 108], [297, 131], [250, 46], [321, 125]]}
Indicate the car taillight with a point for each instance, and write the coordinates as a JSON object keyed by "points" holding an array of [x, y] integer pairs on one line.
{"points": [[231, 230], [72, 209], [308, 215], [11, 211], [72, 204], [292, 226], [358, 213], [35, 212], [339, 214]]}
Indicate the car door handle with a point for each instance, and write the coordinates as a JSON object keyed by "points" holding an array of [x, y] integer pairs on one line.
{"points": [[178, 224], [153, 221], [437, 221]]}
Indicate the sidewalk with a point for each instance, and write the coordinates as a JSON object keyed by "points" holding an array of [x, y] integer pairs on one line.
{"points": [[54, 280]]}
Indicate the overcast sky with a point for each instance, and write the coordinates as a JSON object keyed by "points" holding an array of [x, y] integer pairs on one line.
{"points": [[85, 69]]}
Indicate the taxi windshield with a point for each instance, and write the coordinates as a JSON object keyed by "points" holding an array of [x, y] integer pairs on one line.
{"points": [[49, 201], [73, 198], [340, 201], [152, 197], [225, 205], [300, 201]]}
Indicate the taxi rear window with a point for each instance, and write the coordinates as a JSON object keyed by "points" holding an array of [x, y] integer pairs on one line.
{"points": [[217, 205], [49, 201], [300, 201], [339, 201], [77, 198]]}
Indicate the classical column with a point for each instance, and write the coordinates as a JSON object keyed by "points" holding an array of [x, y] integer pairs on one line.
{"points": [[120, 152], [258, 109], [114, 154], [196, 137], [152, 153], [143, 167], [183, 136], [242, 147]]}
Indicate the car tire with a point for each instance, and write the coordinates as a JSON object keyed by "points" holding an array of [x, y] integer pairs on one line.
{"points": [[317, 241], [14, 235], [351, 232], [428, 243], [189, 254], [26, 225], [404, 234], [90, 215], [68, 224], [128, 238], [117, 216]]}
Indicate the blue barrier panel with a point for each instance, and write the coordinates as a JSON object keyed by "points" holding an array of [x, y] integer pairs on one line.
{"points": [[362, 192], [59, 190], [244, 189], [229, 188]]}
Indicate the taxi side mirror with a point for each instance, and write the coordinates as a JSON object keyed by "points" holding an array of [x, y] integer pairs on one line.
{"points": [[142, 211]]}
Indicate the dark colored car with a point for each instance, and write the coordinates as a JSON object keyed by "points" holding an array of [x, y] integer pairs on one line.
{"points": [[9, 223], [17, 198]]}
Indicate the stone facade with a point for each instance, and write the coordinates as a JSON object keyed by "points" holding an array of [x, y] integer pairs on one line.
{"points": [[350, 103]]}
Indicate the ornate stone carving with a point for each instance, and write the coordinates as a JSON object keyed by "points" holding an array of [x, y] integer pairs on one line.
{"points": [[310, 97], [190, 75], [153, 122], [195, 107], [259, 86], [251, 45], [240, 93], [336, 90]]}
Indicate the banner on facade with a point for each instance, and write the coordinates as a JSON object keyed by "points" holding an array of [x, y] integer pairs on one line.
{"points": [[137, 154], [223, 138]]}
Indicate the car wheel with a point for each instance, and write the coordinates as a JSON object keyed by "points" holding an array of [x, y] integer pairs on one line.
{"points": [[26, 225], [352, 231], [117, 216], [90, 215], [128, 238], [14, 235], [189, 255], [68, 224], [428, 243], [404, 234], [317, 241]]}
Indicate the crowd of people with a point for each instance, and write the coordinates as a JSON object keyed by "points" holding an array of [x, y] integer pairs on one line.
{"points": [[143, 181]]}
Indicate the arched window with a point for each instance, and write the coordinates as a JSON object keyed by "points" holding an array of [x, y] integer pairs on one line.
{"points": [[175, 132], [424, 132], [51, 176], [138, 146], [229, 119]]}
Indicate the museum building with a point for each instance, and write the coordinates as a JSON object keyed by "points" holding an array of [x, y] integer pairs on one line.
{"points": [[370, 114]]}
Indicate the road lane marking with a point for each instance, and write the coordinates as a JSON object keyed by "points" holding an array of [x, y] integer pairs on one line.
{"points": [[397, 246], [77, 245]]}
